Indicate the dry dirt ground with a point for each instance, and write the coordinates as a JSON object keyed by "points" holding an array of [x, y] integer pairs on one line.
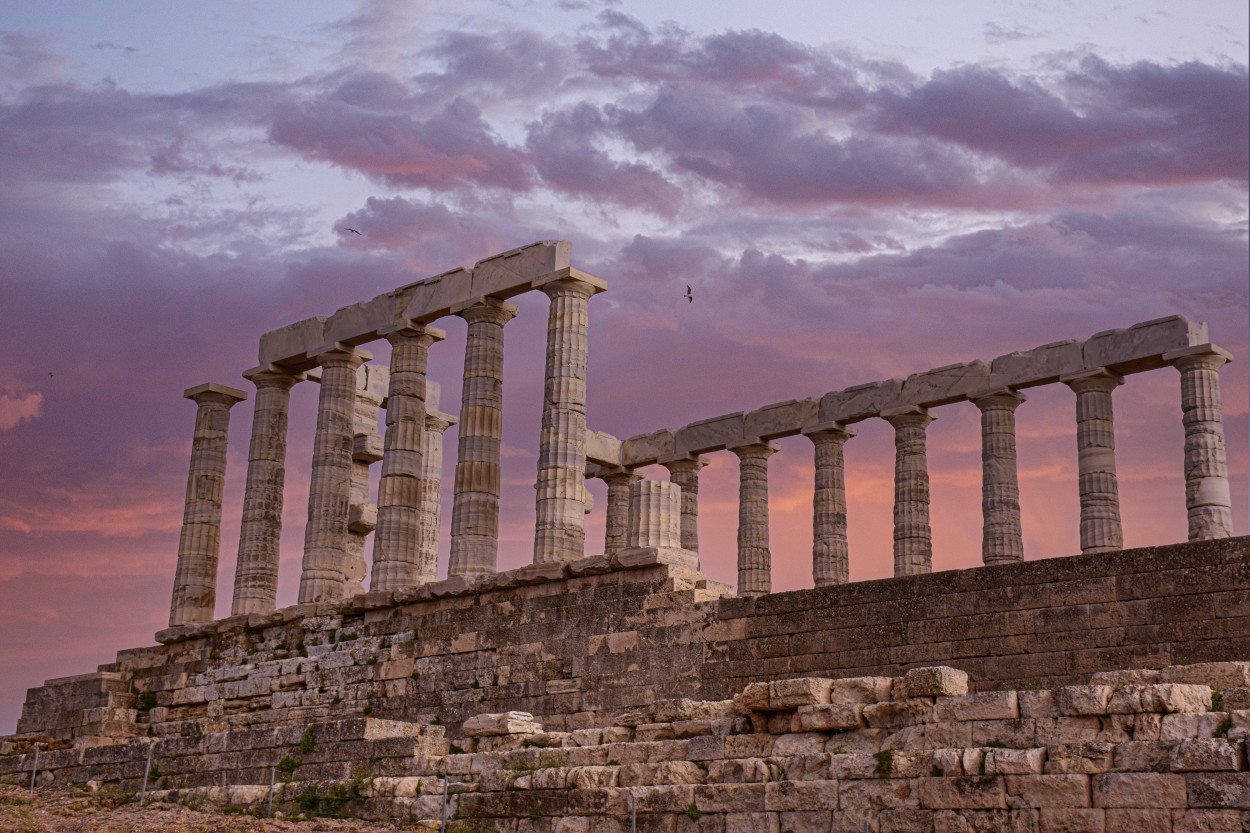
{"points": [[52, 810]]}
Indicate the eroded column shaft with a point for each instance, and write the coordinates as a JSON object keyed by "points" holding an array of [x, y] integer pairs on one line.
{"points": [[685, 473], [616, 522], [195, 576], [324, 571], [431, 494], [830, 560], [475, 511], [654, 515], [560, 532], [1207, 499], [395, 550], [1095, 441], [754, 555], [256, 573], [1002, 540], [913, 537]]}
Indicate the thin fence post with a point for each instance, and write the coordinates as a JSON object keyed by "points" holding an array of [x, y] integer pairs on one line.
{"points": [[269, 800], [442, 825], [34, 770], [147, 769], [633, 813]]}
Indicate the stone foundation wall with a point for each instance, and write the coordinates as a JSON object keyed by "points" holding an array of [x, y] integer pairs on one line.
{"points": [[576, 643], [1123, 753]]}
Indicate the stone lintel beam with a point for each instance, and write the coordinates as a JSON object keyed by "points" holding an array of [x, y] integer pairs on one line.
{"points": [[501, 276], [603, 449], [648, 449]]}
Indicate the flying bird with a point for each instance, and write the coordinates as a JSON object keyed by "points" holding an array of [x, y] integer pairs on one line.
{"points": [[689, 295], [353, 231]]}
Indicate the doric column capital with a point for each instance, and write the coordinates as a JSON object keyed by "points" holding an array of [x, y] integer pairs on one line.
{"points": [[489, 310], [341, 355], [1100, 380], [828, 432], [211, 392], [999, 400], [570, 282], [685, 463], [909, 416], [439, 421], [273, 376], [619, 474], [1200, 357], [405, 331], [755, 450]]}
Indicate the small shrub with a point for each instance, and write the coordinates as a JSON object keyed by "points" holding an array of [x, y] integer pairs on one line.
{"points": [[308, 800], [614, 762], [995, 744], [535, 814], [155, 772], [693, 812], [147, 700], [416, 675], [1217, 701], [371, 661], [1221, 731], [475, 684], [885, 763], [288, 765], [367, 710], [308, 742], [337, 699]]}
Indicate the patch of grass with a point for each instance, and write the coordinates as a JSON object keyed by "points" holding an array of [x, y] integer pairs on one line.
{"points": [[337, 699], [693, 812], [614, 762], [155, 772], [838, 750], [288, 764], [535, 814], [1221, 731], [147, 700], [308, 742], [367, 710], [1217, 701], [371, 661], [885, 763]]}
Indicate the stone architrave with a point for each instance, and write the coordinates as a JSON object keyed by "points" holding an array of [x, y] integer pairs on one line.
{"points": [[685, 473], [436, 423], [754, 555], [913, 537], [256, 572], [1002, 540], [560, 532], [830, 559], [195, 576], [1095, 441], [475, 510], [395, 558], [1207, 498], [324, 573], [616, 524]]}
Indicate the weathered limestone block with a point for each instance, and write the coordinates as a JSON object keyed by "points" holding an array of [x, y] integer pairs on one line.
{"points": [[781, 419], [506, 723], [1039, 366], [935, 681], [1083, 699], [1087, 757], [832, 717], [1142, 345], [1167, 697], [1224, 790], [790, 694], [1206, 755], [898, 714], [860, 402], [1221, 675], [863, 690], [964, 792], [1031, 790], [1014, 761], [713, 434], [1139, 789], [944, 385], [986, 705]]}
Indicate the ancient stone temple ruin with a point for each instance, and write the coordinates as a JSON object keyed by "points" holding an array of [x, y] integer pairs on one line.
{"points": [[604, 691]]}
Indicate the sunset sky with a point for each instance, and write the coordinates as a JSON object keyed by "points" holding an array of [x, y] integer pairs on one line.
{"points": [[854, 191]]}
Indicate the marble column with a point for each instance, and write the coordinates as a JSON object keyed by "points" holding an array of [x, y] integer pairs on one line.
{"points": [[560, 532], [913, 538], [754, 556], [431, 494], [1002, 541], [654, 517], [475, 510], [256, 572], [616, 524], [1207, 498], [1095, 443], [195, 577], [685, 473], [395, 557], [830, 561], [362, 514], [324, 573]]}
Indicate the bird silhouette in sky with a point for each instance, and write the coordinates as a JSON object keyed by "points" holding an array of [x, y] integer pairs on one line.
{"points": [[353, 231], [49, 375], [689, 294]]}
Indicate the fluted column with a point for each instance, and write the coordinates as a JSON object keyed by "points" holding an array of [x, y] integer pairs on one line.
{"points": [[654, 517], [475, 511], [1207, 498], [195, 576], [830, 561], [560, 533], [362, 512], [431, 494], [754, 555], [395, 551], [1002, 540], [324, 572], [913, 537], [256, 573], [685, 473], [1095, 443], [616, 524]]}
